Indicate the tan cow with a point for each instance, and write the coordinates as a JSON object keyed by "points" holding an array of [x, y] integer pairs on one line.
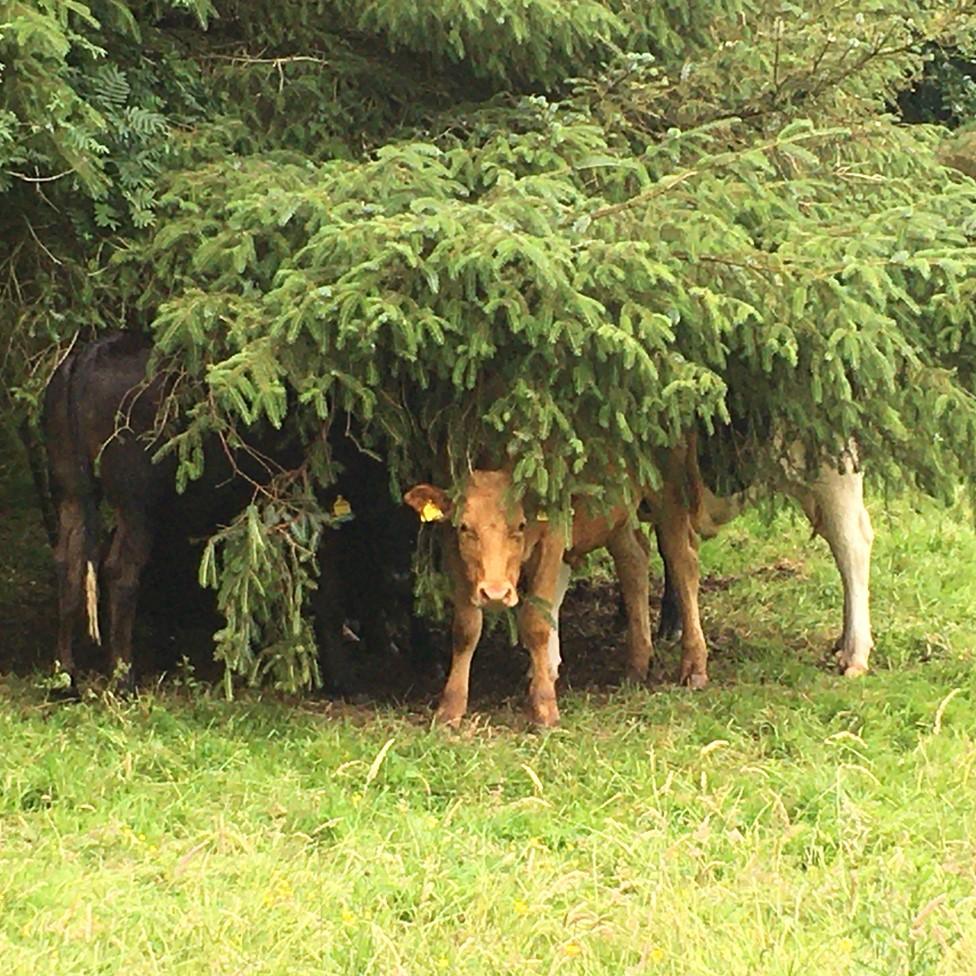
{"points": [[834, 503], [492, 544]]}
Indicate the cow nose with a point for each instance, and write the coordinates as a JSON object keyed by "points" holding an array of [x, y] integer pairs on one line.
{"points": [[495, 593]]}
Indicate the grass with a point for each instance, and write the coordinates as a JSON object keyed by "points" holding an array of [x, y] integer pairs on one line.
{"points": [[785, 821]]}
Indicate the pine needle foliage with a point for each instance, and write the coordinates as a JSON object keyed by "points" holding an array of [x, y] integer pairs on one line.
{"points": [[554, 234]]}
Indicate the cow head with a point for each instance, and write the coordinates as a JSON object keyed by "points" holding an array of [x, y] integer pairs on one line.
{"points": [[490, 533]]}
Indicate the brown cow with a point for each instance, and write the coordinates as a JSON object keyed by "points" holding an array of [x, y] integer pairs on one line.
{"points": [[492, 542]]}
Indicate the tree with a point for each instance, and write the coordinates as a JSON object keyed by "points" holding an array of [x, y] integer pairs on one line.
{"points": [[558, 233]]}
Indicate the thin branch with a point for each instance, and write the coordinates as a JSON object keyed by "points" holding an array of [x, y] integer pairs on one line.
{"points": [[41, 245], [666, 184], [37, 179], [277, 62]]}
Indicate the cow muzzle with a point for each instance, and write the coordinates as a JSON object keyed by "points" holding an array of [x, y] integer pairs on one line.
{"points": [[496, 595]]}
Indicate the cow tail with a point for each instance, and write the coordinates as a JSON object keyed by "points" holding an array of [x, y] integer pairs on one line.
{"points": [[91, 602], [89, 505], [90, 510]]}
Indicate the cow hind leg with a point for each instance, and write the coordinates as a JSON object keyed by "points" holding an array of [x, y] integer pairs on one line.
{"points": [[680, 551], [72, 571], [328, 610], [423, 655], [630, 559], [127, 556], [835, 505], [669, 622]]}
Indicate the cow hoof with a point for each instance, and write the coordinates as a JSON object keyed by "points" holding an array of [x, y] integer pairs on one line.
{"points": [[68, 695], [696, 681], [848, 663], [446, 721], [448, 715], [330, 693], [635, 676], [125, 689], [545, 714]]}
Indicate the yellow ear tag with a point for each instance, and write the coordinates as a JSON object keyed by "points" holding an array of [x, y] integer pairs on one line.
{"points": [[542, 517], [431, 513], [341, 510]]}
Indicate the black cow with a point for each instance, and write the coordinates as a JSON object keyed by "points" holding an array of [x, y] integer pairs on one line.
{"points": [[100, 416]]}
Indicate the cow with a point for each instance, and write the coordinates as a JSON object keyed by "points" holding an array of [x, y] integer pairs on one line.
{"points": [[100, 425], [834, 503], [492, 544], [366, 566]]}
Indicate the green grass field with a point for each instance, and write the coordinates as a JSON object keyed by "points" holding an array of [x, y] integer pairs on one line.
{"points": [[785, 821]]}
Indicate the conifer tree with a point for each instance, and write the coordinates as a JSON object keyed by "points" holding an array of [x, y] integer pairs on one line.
{"points": [[561, 233]]}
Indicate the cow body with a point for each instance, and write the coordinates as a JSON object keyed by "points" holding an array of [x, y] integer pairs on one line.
{"points": [[100, 415], [493, 545], [97, 399], [834, 504]]}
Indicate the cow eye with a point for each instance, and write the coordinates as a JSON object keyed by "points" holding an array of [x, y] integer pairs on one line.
{"points": [[465, 527], [521, 526]]}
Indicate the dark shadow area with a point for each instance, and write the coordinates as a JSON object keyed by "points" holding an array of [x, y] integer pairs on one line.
{"points": [[177, 619]]}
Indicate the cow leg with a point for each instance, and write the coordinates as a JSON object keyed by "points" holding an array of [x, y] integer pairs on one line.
{"points": [[679, 547], [69, 557], [328, 608], [630, 557], [553, 646], [127, 556], [539, 629], [466, 631], [834, 504], [422, 655], [669, 622]]}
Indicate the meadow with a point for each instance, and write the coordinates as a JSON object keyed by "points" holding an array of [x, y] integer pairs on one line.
{"points": [[783, 821]]}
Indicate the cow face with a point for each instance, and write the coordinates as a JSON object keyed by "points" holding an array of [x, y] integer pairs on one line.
{"points": [[490, 534]]}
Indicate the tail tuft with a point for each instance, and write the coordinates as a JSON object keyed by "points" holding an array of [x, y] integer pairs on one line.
{"points": [[91, 602]]}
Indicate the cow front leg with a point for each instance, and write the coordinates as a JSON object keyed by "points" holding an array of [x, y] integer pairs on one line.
{"points": [[679, 547], [539, 630], [553, 649], [466, 632], [835, 506], [128, 555], [627, 547]]}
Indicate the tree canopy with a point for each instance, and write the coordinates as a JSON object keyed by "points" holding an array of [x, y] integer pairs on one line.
{"points": [[561, 233]]}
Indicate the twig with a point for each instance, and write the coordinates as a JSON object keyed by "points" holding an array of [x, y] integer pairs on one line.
{"points": [[40, 244], [37, 179], [277, 62], [665, 184]]}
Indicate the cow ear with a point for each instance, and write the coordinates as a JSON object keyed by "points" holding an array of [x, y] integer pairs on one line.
{"points": [[430, 503]]}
